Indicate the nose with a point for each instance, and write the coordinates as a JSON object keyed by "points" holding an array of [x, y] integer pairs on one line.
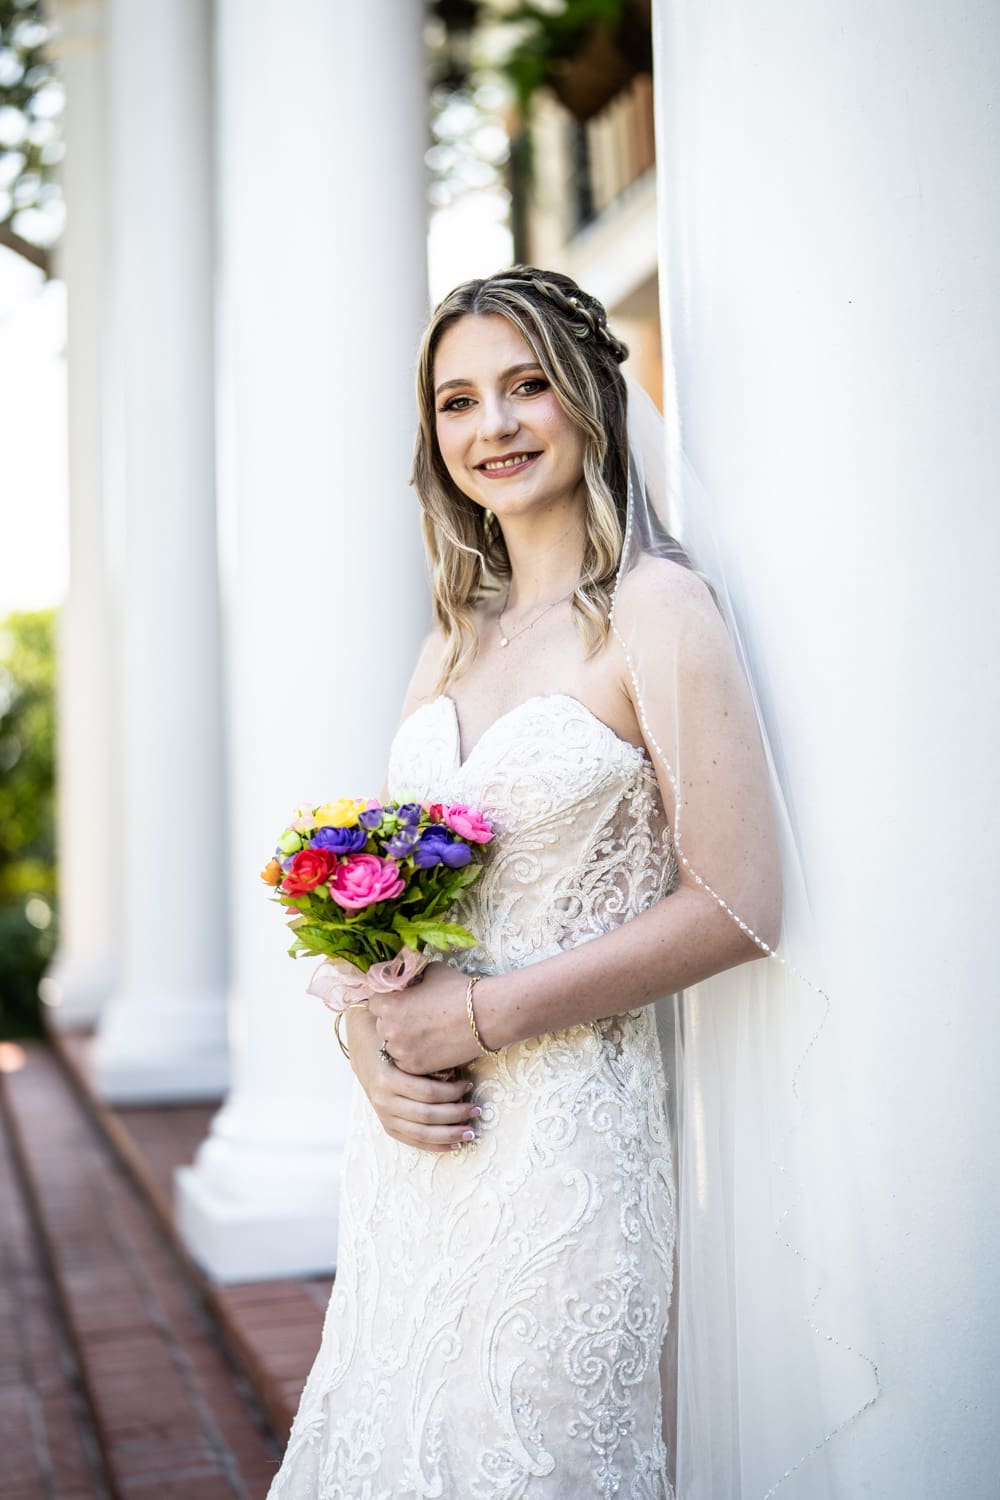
{"points": [[497, 419]]}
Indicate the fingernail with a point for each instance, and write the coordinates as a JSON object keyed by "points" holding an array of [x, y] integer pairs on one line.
{"points": [[468, 1135], [469, 1087], [475, 1112]]}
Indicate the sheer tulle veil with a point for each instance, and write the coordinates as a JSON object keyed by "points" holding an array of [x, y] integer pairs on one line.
{"points": [[768, 1362]]}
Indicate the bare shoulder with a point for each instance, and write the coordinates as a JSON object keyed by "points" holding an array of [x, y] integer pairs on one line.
{"points": [[667, 613], [658, 583]]}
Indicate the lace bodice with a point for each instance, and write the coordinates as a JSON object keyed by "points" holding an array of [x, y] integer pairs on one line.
{"points": [[581, 838], [496, 1327]]}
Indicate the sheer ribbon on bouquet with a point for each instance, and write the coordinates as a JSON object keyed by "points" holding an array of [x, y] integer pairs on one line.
{"points": [[767, 1351]]}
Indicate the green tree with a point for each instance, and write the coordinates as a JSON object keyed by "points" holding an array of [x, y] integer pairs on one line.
{"points": [[28, 916], [31, 146]]}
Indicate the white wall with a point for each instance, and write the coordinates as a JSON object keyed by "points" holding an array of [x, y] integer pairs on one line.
{"points": [[830, 222]]}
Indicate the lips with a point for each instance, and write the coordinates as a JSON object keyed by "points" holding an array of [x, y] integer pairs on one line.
{"points": [[526, 458]]}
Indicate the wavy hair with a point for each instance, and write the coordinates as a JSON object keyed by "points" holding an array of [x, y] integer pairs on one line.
{"points": [[568, 334]]}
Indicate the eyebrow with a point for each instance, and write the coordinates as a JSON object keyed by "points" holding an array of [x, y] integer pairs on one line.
{"points": [[532, 364]]}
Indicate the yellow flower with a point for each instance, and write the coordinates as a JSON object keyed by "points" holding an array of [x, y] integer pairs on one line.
{"points": [[340, 814]]}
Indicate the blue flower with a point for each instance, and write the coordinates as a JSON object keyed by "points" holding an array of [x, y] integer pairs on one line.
{"points": [[371, 817], [339, 840], [438, 846], [409, 812], [401, 844]]}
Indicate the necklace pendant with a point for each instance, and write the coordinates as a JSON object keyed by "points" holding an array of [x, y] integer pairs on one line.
{"points": [[503, 640]]}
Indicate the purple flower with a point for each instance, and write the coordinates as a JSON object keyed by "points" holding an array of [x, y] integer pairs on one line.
{"points": [[437, 846], [456, 854], [401, 844], [284, 860], [409, 812], [339, 840], [371, 817]]}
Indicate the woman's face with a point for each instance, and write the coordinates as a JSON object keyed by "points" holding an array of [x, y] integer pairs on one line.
{"points": [[504, 438]]}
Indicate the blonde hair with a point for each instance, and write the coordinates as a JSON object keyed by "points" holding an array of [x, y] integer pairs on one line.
{"points": [[568, 334]]}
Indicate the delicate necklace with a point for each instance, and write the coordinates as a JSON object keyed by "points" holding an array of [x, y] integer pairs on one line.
{"points": [[504, 638]]}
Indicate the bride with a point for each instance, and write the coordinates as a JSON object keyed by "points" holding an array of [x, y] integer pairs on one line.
{"points": [[501, 1323]]}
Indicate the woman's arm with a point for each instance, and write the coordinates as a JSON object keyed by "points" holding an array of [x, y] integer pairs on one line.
{"points": [[697, 704], [672, 945], [421, 686]]}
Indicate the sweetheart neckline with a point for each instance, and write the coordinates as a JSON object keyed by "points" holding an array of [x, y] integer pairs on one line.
{"points": [[461, 764]]}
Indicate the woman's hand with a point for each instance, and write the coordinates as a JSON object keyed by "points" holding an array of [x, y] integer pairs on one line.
{"points": [[425, 1027], [421, 1112]]}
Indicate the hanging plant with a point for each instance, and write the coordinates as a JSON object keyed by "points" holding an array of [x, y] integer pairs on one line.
{"points": [[585, 53]]}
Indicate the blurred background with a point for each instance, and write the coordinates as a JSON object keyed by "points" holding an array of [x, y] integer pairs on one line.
{"points": [[223, 224], [536, 125]]}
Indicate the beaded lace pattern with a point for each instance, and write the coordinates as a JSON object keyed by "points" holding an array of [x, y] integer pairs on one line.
{"points": [[496, 1326]]}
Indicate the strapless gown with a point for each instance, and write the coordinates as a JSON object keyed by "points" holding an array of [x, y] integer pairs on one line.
{"points": [[496, 1324]]}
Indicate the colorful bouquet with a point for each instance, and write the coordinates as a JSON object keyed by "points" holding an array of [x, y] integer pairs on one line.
{"points": [[370, 885]]}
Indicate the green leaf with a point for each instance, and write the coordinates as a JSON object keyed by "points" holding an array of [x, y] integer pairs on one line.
{"points": [[407, 931], [377, 935], [324, 925], [443, 934], [324, 940]]}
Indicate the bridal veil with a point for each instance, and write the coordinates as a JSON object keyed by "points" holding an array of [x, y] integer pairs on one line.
{"points": [[770, 1368]]}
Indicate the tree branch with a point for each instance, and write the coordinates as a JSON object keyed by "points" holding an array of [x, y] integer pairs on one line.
{"points": [[36, 254]]}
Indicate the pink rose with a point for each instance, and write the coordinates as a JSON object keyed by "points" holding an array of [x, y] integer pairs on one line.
{"points": [[396, 973], [362, 879], [468, 823]]}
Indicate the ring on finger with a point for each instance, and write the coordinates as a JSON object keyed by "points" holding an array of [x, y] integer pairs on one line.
{"points": [[383, 1053]]}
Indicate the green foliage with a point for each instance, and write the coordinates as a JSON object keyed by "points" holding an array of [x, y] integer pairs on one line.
{"points": [[553, 37], [422, 933], [30, 142], [544, 36], [321, 928], [28, 925]]}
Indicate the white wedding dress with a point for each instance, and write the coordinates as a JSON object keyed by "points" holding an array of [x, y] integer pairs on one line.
{"points": [[496, 1326]]}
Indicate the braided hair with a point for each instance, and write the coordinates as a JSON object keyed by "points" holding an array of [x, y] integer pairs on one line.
{"points": [[585, 315], [568, 332]]}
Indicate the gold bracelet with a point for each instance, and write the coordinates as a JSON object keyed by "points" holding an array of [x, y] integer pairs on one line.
{"points": [[336, 1025], [486, 1051], [340, 1040]]}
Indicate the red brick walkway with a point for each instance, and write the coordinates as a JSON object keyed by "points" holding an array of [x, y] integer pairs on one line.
{"points": [[114, 1379], [273, 1327], [46, 1431]]}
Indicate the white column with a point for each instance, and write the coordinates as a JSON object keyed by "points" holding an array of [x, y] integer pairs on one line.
{"points": [[163, 1034], [323, 294], [82, 974], [832, 237]]}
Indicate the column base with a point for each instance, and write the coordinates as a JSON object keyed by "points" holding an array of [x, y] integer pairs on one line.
{"points": [[243, 1241], [144, 1079], [162, 1052]]}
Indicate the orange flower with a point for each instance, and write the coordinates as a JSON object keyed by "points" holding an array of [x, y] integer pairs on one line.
{"points": [[272, 872]]}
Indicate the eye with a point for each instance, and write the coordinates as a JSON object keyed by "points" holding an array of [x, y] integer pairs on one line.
{"points": [[535, 380]]}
